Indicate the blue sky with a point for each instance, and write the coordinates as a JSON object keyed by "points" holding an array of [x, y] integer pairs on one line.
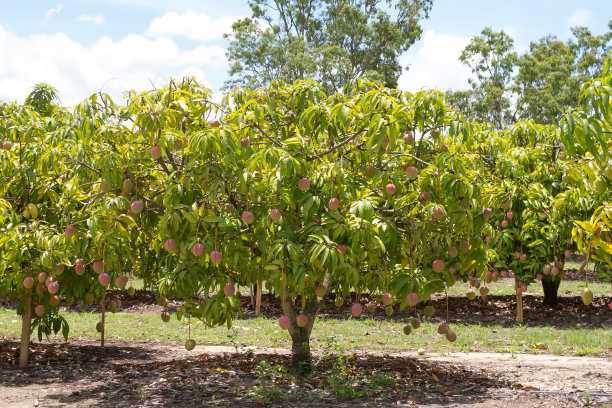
{"points": [[81, 47]]}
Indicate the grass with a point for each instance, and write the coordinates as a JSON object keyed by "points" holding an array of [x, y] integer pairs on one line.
{"points": [[506, 287], [350, 334]]}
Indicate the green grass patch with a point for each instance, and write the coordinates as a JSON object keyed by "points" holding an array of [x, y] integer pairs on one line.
{"points": [[349, 334]]}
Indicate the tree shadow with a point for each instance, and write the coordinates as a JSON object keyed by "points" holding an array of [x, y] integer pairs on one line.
{"points": [[135, 376]]}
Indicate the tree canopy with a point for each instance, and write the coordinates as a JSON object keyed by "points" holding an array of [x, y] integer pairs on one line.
{"points": [[541, 84], [334, 42]]}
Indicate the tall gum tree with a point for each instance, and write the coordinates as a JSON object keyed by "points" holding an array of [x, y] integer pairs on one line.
{"points": [[334, 42]]}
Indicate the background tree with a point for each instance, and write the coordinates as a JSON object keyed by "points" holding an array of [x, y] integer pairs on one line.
{"points": [[492, 59], [540, 85], [333, 42]]}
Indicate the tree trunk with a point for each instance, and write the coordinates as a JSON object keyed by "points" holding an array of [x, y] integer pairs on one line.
{"points": [[258, 299], [519, 302], [300, 354], [103, 318], [26, 330], [550, 287], [300, 336]]}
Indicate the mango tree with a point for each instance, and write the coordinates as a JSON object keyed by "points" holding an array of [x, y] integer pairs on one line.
{"points": [[313, 194], [585, 132]]}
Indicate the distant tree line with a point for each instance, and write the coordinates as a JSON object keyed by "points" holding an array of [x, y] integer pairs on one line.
{"points": [[336, 42], [540, 84]]}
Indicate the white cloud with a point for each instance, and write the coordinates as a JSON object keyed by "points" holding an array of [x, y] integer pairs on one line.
{"points": [[54, 10], [77, 71], [192, 25], [582, 18], [161, 5], [97, 19], [434, 64]]}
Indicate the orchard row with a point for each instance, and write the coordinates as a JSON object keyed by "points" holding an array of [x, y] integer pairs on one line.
{"points": [[376, 191]]}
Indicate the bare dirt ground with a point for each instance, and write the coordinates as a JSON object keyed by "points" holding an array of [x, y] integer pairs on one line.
{"points": [[151, 375], [81, 374]]}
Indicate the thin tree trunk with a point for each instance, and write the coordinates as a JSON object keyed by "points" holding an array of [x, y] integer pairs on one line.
{"points": [[252, 293], [26, 331], [103, 319], [519, 303], [551, 288], [258, 299]]}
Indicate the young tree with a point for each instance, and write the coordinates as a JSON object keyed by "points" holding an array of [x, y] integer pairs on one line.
{"points": [[334, 42]]}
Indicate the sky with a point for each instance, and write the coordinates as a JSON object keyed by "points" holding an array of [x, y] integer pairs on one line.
{"points": [[85, 46]]}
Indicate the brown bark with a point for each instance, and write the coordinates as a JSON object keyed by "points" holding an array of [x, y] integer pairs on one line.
{"points": [[551, 288], [258, 299], [103, 319], [519, 303], [300, 336], [26, 331]]}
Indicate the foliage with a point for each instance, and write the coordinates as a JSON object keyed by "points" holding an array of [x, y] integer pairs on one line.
{"points": [[372, 190], [540, 85], [334, 42], [586, 133]]}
